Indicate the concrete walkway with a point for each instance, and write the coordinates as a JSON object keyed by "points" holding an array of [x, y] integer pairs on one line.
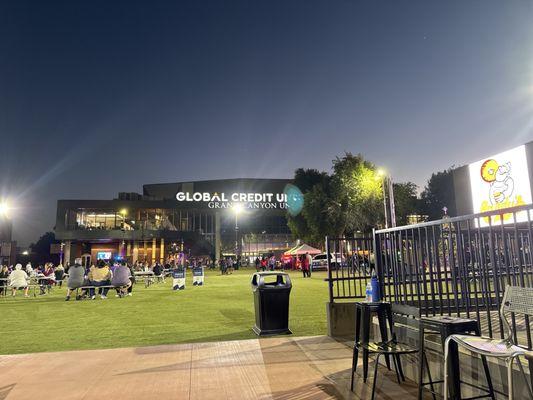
{"points": [[276, 368]]}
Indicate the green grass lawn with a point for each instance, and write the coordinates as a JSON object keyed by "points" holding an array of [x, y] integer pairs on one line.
{"points": [[220, 310]]}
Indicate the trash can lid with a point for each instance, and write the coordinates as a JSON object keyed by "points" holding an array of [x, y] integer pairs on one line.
{"points": [[258, 279]]}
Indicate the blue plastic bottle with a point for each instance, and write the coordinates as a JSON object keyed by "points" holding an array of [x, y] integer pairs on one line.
{"points": [[375, 288]]}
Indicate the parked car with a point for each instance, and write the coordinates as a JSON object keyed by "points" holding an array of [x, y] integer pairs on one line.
{"points": [[320, 261]]}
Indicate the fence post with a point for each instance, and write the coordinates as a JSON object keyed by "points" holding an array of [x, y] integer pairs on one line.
{"points": [[330, 277]]}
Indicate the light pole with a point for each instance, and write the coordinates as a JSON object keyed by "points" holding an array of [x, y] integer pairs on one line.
{"points": [[388, 185], [123, 212], [237, 209]]}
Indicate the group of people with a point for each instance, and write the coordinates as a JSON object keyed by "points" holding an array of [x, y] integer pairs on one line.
{"points": [[101, 276], [17, 278], [264, 263], [270, 263], [228, 265]]}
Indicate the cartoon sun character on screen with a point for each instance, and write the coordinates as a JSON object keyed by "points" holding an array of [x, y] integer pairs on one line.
{"points": [[500, 180]]}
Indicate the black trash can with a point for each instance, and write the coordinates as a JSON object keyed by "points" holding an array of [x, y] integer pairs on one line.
{"points": [[271, 300]]}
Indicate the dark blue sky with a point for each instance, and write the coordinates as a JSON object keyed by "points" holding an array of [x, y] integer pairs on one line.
{"points": [[98, 97]]}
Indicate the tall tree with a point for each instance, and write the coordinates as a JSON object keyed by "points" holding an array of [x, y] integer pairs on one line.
{"points": [[306, 180], [439, 193], [358, 191]]}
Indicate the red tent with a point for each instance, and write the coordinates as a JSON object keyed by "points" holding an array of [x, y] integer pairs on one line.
{"points": [[303, 249]]}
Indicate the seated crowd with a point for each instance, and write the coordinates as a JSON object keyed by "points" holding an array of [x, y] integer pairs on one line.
{"points": [[85, 281]]}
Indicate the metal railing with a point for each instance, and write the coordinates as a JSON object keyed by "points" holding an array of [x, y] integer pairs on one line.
{"points": [[459, 266], [350, 265]]}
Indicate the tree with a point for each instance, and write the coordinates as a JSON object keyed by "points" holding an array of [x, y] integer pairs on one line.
{"points": [[406, 201], [306, 180], [358, 193], [439, 193]]}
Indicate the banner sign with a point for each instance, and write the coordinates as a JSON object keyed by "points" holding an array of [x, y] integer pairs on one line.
{"points": [[198, 276], [499, 182], [226, 200], [178, 279]]}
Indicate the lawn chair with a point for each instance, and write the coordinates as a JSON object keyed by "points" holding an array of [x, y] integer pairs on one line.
{"points": [[515, 300]]}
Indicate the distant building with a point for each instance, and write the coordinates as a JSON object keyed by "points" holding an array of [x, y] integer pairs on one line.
{"points": [[7, 245], [196, 216]]}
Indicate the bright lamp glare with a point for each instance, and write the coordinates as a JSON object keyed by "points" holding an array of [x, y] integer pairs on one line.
{"points": [[380, 172], [4, 208], [238, 208]]}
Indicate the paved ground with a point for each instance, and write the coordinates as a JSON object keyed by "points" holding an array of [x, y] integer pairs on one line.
{"points": [[278, 368]]}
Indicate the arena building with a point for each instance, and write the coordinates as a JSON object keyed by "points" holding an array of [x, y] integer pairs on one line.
{"points": [[245, 217]]}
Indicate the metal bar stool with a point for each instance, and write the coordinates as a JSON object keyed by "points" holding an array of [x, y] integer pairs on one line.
{"points": [[363, 321], [445, 326]]}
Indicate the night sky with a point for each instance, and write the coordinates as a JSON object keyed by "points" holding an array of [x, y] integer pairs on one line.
{"points": [[98, 97]]}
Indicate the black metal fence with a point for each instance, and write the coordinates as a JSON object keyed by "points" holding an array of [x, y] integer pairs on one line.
{"points": [[455, 266], [350, 265]]}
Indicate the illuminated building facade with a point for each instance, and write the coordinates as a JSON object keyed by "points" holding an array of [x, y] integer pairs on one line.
{"points": [[197, 216]]}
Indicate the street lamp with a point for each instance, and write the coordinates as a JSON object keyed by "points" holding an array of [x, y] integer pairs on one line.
{"points": [[123, 212], [237, 209], [388, 185], [4, 208]]}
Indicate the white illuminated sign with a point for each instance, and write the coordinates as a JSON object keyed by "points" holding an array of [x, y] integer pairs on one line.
{"points": [[499, 182], [224, 200]]}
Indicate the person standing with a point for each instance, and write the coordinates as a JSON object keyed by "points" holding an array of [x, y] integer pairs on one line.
{"points": [[257, 264], [272, 262], [230, 265], [309, 261], [223, 266], [305, 265]]}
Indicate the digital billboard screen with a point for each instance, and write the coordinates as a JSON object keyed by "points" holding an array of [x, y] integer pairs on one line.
{"points": [[499, 182]]}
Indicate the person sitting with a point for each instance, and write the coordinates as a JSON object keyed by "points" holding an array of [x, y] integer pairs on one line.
{"points": [[76, 278], [4, 276], [132, 280], [18, 280], [59, 273], [121, 279], [48, 278], [100, 276]]}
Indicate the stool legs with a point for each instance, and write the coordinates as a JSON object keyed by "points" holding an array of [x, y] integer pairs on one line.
{"points": [[365, 337], [445, 384], [397, 369], [521, 367], [382, 320], [429, 376], [355, 358], [487, 375], [421, 360], [509, 363], [375, 377]]}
